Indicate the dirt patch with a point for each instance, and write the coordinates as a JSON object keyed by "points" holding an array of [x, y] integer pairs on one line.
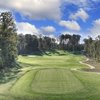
{"points": [[93, 63]]}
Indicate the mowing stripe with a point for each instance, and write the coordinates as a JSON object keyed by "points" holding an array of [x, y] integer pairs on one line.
{"points": [[56, 81]]}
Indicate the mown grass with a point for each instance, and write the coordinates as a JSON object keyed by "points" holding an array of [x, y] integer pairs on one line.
{"points": [[51, 77], [55, 81]]}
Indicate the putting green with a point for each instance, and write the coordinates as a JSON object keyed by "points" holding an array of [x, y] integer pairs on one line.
{"points": [[56, 81]]}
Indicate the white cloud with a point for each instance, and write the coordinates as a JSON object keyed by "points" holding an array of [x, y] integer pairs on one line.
{"points": [[51, 36], [67, 32], [26, 28], [79, 3], [4, 10], [37, 9], [95, 30], [72, 32], [76, 2], [80, 14], [85, 4], [72, 25], [48, 30]]}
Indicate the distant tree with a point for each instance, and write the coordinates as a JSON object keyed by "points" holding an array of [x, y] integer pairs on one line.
{"points": [[92, 48], [8, 37], [29, 45], [21, 45], [35, 43], [75, 41], [88, 46], [69, 42], [62, 37], [40, 43], [48, 42], [53, 43], [97, 49]]}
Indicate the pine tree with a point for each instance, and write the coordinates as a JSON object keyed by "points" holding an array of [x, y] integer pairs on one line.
{"points": [[8, 39]]}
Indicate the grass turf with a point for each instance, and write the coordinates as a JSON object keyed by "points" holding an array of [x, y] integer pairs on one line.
{"points": [[50, 77], [56, 81]]}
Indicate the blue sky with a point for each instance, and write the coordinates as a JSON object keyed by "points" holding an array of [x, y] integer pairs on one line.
{"points": [[55, 17]]}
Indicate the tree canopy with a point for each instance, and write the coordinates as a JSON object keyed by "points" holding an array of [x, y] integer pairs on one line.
{"points": [[8, 39]]}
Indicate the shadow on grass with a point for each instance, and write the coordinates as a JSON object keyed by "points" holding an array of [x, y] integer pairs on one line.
{"points": [[28, 64], [8, 74], [45, 52], [54, 52], [37, 53]]}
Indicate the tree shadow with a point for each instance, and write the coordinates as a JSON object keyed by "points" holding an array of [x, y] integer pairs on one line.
{"points": [[37, 53], [8, 74], [28, 64], [53, 52]]}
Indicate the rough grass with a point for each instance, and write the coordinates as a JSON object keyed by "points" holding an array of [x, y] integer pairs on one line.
{"points": [[50, 77]]}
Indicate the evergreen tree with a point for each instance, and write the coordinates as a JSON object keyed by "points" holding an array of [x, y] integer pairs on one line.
{"points": [[21, 45], [8, 39], [92, 48]]}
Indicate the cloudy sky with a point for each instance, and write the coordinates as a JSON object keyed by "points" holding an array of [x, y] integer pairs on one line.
{"points": [[54, 17]]}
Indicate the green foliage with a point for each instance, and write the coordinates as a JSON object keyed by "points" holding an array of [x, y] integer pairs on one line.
{"points": [[70, 42], [29, 44], [92, 48], [8, 37]]}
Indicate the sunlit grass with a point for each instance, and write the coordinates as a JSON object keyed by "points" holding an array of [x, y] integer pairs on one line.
{"points": [[50, 77]]}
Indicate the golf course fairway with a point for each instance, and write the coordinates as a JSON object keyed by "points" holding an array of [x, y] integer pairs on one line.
{"points": [[56, 76]]}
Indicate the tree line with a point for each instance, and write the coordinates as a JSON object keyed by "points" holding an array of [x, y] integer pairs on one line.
{"points": [[92, 48], [70, 42], [12, 44], [28, 44]]}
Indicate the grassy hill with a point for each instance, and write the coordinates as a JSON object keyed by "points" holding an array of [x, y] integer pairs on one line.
{"points": [[53, 76]]}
